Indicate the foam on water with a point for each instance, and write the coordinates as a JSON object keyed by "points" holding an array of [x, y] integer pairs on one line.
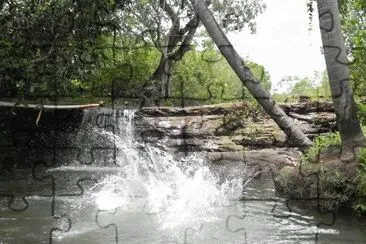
{"points": [[178, 192]]}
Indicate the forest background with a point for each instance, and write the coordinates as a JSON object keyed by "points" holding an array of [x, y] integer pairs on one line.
{"points": [[82, 51]]}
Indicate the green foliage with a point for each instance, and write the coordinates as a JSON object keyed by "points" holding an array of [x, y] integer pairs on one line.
{"points": [[302, 87], [361, 182], [237, 13], [323, 89], [207, 77], [316, 88], [353, 22], [77, 48], [193, 77], [50, 43], [333, 184], [321, 144], [260, 74], [204, 76], [171, 27], [341, 182], [361, 113], [232, 15], [124, 70]]}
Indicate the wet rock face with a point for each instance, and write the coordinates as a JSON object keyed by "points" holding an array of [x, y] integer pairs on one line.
{"points": [[235, 138], [19, 125], [21, 138], [229, 127], [225, 129]]}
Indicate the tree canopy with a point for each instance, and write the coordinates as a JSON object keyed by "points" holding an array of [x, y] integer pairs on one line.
{"points": [[55, 48], [50, 43], [62, 48], [353, 20]]}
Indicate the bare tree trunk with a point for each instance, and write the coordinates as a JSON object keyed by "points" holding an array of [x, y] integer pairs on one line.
{"points": [[339, 75], [162, 74], [293, 132], [178, 43]]}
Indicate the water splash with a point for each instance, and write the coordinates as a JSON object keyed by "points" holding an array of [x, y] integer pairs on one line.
{"points": [[176, 192]]}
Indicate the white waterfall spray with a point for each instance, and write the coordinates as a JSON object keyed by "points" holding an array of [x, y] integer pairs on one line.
{"points": [[177, 192]]}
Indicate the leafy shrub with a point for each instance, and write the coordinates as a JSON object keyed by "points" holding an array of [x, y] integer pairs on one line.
{"points": [[362, 113], [322, 143], [361, 182]]}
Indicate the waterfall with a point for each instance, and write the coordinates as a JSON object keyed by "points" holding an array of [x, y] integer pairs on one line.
{"points": [[150, 180]]}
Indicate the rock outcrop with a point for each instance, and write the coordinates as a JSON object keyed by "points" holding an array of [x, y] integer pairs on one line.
{"points": [[223, 132], [232, 133], [229, 127]]}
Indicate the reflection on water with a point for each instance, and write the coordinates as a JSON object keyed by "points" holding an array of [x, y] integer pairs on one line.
{"points": [[150, 197]]}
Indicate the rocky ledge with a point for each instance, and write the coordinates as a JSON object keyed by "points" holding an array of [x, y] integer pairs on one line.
{"points": [[226, 132], [229, 127]]}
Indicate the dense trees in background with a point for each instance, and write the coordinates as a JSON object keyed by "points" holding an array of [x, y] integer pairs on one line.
{"points": [[172, 25], [315, 87], [78, 48], [214, 80], [53, 46], [102, 48], [202, 76], [45, 45], [124, 70], [353, 21]]}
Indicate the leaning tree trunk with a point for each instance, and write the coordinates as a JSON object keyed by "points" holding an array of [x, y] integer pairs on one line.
{"points": [[338, 73], [293, 132]]}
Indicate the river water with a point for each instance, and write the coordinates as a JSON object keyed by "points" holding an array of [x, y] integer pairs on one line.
{"points": [[148, 196]]}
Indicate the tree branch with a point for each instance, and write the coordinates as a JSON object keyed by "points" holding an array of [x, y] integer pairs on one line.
{"points": [[193, 23], [185, 46], [169, 10], [191, 28]]}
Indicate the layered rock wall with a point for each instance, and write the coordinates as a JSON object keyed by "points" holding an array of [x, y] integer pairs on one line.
{"points": [[235, 136], [229, 127]]}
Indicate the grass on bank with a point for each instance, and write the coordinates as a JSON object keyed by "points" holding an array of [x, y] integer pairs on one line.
{"points": [[343, 183]]}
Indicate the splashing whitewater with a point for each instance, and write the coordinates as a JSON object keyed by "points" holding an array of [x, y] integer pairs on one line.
{"points": [[178, 192]]}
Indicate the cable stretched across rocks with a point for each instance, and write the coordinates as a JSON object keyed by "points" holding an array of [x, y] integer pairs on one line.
{"points": [[51, 106], [42, 107]]}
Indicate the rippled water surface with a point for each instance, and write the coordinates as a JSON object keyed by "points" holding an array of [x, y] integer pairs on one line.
{"points": [[150, 197], [106, 218]]}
